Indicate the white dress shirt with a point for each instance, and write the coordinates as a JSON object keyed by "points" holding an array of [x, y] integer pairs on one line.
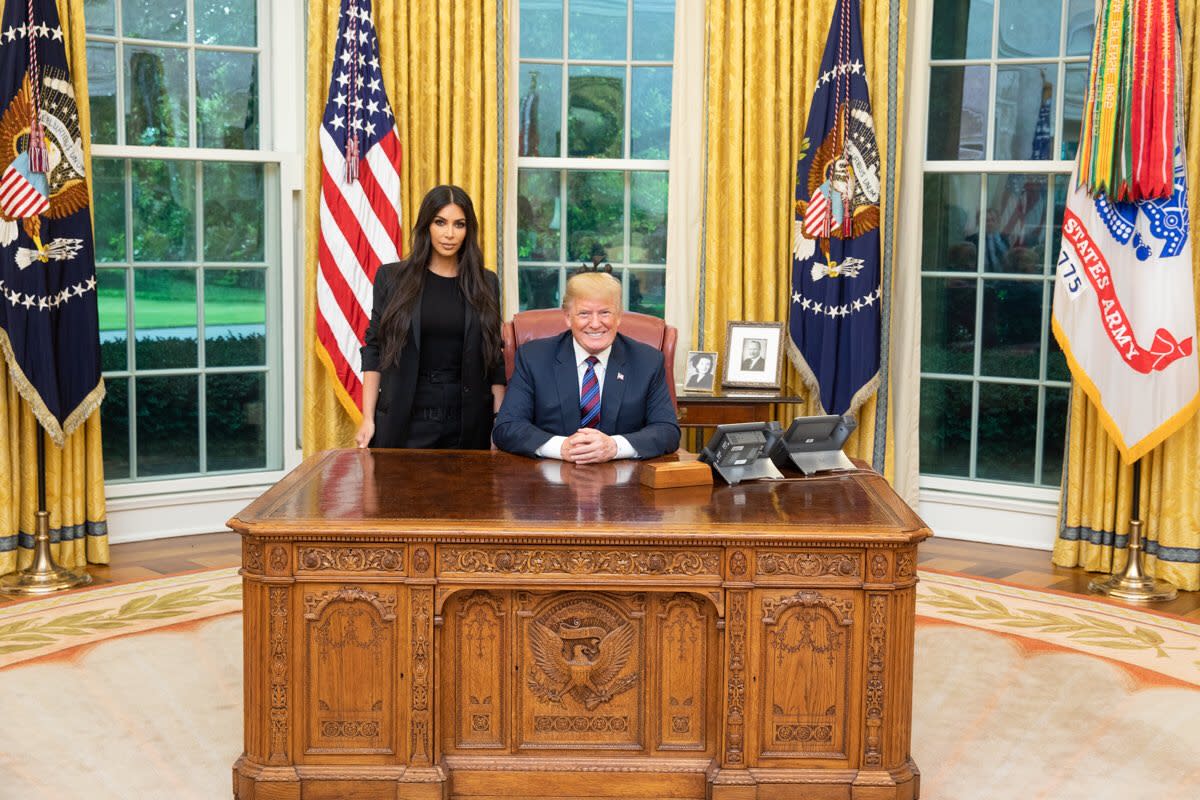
{"points": [[553, 447]]}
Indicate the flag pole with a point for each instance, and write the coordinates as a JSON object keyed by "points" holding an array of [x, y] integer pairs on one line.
{"points": [[43, 576], [1132, 584]]}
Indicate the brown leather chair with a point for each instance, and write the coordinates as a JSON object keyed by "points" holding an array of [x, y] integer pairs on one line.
{"points": [[542, 322]]}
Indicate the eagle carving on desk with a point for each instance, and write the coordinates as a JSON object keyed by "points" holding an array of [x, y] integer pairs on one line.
{"points": [[581, 661]]}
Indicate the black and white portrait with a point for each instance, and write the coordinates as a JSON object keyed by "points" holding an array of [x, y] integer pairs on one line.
{"points": [[753, 355], [753, 358], [701, 367]]}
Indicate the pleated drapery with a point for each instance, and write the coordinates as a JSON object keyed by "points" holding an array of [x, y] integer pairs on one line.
{"points": [[763, 61], [441, 63], [74, 473], [1097, 495]]}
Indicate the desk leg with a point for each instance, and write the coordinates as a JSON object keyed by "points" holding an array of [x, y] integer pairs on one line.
{"points": [[733, 781]]}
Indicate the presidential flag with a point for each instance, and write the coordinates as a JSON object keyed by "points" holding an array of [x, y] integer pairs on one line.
{"points": [[834, 318], [1124, 313], [49, 329], [360, 199]]}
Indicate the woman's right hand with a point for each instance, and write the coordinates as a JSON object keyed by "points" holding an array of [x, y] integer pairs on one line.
{"points": [[365, 432]]}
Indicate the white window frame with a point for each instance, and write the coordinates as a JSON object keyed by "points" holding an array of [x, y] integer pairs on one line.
{"points": [[975, 510], [157, 508], [685, 167]]}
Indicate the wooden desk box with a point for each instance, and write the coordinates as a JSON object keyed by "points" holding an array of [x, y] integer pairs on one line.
{"points": [[453, 625]]}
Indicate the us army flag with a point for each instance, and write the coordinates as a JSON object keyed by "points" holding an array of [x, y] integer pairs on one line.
{"points": [[1124, 312]]}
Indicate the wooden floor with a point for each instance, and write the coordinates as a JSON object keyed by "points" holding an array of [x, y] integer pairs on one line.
{"points": [[1032, 568]]}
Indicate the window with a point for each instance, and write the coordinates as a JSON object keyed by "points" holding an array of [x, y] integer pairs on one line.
{"points": [[593, 145], [1006, 87], [187, 261]]}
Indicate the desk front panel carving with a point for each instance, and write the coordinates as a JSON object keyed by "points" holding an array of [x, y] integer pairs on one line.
{"points": [[416, 660]]}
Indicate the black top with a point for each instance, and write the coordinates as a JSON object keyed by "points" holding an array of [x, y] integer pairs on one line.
{"points": [[443, 320]]}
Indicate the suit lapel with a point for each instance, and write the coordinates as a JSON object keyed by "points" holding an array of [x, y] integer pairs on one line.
{"points": [[567, 374], [414, 331], [614, 387]]}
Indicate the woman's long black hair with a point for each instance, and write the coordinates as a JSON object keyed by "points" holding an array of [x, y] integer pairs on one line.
{"points": [[396, 316]]}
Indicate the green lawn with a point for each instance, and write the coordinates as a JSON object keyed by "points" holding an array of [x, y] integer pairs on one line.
{"points": [[223, 306]]}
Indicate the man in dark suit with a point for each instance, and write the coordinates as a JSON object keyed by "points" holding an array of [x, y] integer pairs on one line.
{"points": [[752, 358], [588, 395]]}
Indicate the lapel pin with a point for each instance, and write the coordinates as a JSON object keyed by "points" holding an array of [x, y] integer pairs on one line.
{"points": [[620, 376]]}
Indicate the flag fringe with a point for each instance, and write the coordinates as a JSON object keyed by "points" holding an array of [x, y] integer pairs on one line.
{"points": [[1133, 452], [338, 389], [58, 433], [809, 379]]}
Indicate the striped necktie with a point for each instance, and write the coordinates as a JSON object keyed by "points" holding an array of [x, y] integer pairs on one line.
{"points": [[589, 396]]}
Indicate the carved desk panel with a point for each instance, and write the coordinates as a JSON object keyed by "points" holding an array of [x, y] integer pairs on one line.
{"points": [[467, 625]]}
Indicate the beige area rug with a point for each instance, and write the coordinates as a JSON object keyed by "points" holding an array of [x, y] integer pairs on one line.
{"points": [[134, 691]]}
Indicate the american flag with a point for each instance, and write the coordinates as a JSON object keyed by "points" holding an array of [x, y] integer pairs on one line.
{"points": [[360, 196]]}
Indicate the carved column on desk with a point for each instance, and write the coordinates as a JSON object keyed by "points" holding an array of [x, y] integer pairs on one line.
{"points": [[421, 643], [733, 781], [887, 710]]}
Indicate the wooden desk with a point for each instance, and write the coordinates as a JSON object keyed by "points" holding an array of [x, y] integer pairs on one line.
{"points": [[727, 405], [479, 626]]}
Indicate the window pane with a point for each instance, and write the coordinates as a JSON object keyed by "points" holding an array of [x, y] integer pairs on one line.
{"points": [[1081, 26], [227, 100], [648, 291], [110, 299], [541, 110], [164, 20], [597, 29], [648, 218], [1061, 184], [114, 420], [235, 317], [1007, 433], [164, 210], [1024, 115], [946, 427], [164, 318], [958, 120], [595, 216], [541, 28], [948, 325], [1056, 362], [596, 112], [962, 29], [1015, 229], [1012, 329], [653, 30], [235, 414], [99, 16], [102, 91], [950, 240], [233, 212], [1028, 28], [168, 429], [108, 189], [156, 96], [539, 215], [650, 113], [1074, 90], [227, 22], [538, 287], [1054, 434]]}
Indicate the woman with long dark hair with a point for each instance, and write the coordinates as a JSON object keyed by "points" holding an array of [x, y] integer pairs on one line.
{"points": [[433, 364]]}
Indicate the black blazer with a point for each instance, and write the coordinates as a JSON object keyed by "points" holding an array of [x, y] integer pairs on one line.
{"points": [[543, 397], [398, 382]]}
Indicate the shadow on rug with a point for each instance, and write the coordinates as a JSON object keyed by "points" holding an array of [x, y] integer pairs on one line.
{"points": [[1018, 693]]}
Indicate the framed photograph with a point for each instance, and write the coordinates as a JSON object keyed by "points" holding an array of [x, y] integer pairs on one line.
{"points": [[701, 369], [753, 355]]}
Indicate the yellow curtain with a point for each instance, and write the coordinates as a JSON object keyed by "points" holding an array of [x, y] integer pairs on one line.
{"points": [[763, 61], [439, 60], [75, 473], [1097, 495]]}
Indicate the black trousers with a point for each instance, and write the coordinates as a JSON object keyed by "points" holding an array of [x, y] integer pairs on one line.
{"points": [[436, 421]]}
